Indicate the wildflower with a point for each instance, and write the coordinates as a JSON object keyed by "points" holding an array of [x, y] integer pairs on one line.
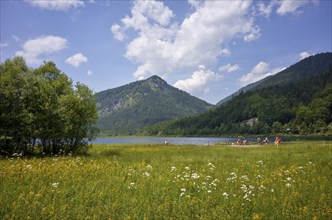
{"points": [[55, 185], [260, 162], [288, 185], [146, 174], [187, 168], [272, 190], [225, 194], [183, 189], [29, 166], [209, 191], [149, 167], [245, 178], [173, 169], [195, 176], [132, 186]]}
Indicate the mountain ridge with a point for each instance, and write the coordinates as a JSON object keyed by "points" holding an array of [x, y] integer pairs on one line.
{"points": [[125, 109], [301, 104], [310, 66]]}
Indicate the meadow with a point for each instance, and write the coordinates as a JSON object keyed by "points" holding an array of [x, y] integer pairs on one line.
{"points": [[292, 181]]}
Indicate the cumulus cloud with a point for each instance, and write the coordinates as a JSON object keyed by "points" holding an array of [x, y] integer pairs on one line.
{"points": [[283, 7], [229, 68], [34, 50], [199, 81], [56, 5], [117, 32], [304, 55], [162, 46], [77, 59], [260, 71]]}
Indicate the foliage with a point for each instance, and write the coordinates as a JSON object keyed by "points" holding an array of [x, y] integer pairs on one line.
{"points": [[41, 111], [291, 181], [126, 109], [296, 107]]}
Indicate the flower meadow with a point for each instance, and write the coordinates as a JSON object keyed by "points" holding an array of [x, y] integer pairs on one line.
{"points": [[292, 181]]}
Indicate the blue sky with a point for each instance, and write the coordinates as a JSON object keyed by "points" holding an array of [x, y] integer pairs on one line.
{"points": [[207, 48]]}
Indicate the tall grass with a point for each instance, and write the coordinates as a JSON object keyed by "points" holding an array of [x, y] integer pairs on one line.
{"points": [[292, 181]]}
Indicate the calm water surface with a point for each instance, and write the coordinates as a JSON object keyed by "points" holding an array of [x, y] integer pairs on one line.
{"points": [[161, 140], [191, 140]]}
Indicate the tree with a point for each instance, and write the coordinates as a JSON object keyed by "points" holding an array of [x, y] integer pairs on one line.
{"points": [[41, 111]]}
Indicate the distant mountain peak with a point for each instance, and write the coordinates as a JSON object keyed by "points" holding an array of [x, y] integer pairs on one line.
{"points": [[127, 108], [156, 82]]}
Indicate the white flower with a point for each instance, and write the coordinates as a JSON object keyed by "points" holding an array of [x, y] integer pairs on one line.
{"points": [[29, 166], [149, 167], [146, 174], [183, 189], [55, 185], [173, 169], [187, 168], [288, 185], [225, 194], [195, 176]]}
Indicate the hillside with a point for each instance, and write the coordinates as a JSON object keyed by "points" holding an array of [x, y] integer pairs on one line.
{"points": [[308, 67], [125, 109], [297, 101]]}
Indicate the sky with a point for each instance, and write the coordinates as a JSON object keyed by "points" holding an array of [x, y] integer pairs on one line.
{"points": [[209, 49]]}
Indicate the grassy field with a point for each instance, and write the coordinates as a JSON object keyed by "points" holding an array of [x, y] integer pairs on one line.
{"points": [[292, 181]]}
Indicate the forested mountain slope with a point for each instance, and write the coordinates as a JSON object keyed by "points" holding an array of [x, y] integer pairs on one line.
{"points": [[125, 109], [308, 67], [294, 101]]}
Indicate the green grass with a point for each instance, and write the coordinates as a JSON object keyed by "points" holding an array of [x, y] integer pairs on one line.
{"points": [[292, 181]]}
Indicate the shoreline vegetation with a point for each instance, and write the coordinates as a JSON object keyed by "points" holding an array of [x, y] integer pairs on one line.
{"points": [[157, 181]]}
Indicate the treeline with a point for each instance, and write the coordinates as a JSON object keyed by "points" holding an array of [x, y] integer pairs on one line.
{"points": [[302, 107], [42, 112]]}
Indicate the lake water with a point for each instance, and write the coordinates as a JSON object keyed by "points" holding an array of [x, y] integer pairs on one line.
{"points": [[191, 140], [161, 140]]}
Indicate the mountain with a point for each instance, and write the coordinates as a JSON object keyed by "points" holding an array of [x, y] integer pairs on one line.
{"points": [[308, 67], [126, 109], [297, 100]]}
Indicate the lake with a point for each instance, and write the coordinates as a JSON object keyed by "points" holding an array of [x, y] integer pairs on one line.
{"points": [[161, 140], [193, 140]]}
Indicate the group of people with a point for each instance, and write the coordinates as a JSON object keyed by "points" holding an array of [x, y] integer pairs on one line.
{"points": [[277, 141]]}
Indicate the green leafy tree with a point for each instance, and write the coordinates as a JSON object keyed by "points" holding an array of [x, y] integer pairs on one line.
{"points": [[41, 111]]}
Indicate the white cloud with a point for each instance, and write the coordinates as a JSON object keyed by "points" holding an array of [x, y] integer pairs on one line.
{"points": [[117, 32], [253, 35], [199, 81], [225, 52], [194, 3], [77, 59], [89, 72], [260, 71], [304, 55], [41, 46], [288, 7], [265, 10], [162, 46], [283, 7], [229, 68], [56, 5]]}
